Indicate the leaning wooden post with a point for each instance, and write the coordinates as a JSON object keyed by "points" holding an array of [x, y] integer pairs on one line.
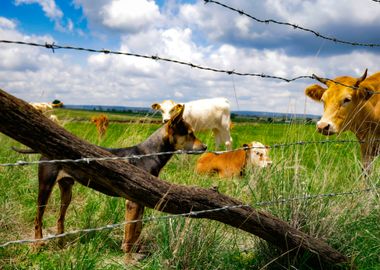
{"points": [[23, 123]]}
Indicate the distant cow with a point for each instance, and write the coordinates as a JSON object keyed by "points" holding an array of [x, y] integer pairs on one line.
{"points": [[357, 110], [101, 121], [46, 109], [204, 114], [232, 164], [42, 106]]}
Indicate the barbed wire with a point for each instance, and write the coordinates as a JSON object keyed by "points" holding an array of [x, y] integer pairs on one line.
{"points": [[377, 1], [178, 152], [54, 47], [295, 26], [191, 214]]}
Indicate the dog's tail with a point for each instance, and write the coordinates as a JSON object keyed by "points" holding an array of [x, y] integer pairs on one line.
{"points": [[24, 151]]}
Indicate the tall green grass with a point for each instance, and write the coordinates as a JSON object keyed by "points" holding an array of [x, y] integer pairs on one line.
{"points": [[349, 223]]}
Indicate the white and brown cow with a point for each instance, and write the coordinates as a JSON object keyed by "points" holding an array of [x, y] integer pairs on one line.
{"points": [[46, 109], [355, 108], [232, 164], [204, 114]]}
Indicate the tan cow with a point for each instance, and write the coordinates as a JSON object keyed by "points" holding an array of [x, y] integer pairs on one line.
{"points": [[232, 164], [355, 108]]}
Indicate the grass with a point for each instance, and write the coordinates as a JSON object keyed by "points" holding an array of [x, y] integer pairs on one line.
{"points": [[349, 223]]}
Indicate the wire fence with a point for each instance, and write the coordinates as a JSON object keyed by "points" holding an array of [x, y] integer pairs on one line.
{"points": [[178, 152], [193, 214], [305, 197], [295, 26]]}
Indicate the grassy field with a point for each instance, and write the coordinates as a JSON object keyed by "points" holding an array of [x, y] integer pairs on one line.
{"points": [[349, 223]]}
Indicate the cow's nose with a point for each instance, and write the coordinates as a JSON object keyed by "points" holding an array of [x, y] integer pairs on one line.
{"points": [[323, 127]]}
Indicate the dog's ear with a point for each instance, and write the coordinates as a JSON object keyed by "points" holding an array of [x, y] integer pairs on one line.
{"points": [[156, 106], [246, 146], [177, 115], [178, 108]]}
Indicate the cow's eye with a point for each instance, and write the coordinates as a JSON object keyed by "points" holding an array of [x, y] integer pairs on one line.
{"points": [[346, 101]]}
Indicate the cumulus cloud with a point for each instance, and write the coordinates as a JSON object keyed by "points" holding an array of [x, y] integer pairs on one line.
{"points": [[6, 23], [205, 35], [130, 15], [52, 11]]}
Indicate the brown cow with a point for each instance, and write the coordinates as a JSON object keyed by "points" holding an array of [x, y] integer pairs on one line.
{"points": [[355, 108], [101, 121], [231, 164]]}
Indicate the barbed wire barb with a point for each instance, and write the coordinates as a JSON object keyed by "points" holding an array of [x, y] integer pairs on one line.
{"points": [[295, 26]]}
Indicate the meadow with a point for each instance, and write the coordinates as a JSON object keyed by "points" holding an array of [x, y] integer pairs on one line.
{"points": [[348, 222]]}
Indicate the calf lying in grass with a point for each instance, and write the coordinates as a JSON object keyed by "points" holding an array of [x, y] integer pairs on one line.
{"points": [[232, 164], [176, 134]]}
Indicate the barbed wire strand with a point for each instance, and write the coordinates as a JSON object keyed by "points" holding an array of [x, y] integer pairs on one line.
{"points": [[54, 47], [178, 152], [294, 26], [191, 213]]}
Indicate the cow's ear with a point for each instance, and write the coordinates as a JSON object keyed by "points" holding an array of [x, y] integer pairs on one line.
{"points": [[315, 92], [156, 106], [364, 93]]}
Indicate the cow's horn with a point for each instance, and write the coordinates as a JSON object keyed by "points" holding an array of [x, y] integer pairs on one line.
{"points": [[362, 78], [322, 80]]}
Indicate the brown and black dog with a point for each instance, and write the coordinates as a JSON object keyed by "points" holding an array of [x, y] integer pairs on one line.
{"points": [[174, 135]]}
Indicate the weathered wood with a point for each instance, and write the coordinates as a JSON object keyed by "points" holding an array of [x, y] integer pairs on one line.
{"points": [[23, 123]]}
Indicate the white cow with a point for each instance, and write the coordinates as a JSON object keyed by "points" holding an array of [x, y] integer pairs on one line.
{"points": [[204, 114], [42, 106]]}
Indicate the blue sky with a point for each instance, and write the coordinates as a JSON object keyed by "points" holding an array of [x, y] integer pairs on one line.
{"points": [[191, 31]]}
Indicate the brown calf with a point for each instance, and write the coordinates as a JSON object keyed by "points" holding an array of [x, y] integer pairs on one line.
{"points": [[232, 164]]}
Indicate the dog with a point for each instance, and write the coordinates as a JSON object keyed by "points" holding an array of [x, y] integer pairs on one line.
{"points": [[174, 135], [232, 164]]}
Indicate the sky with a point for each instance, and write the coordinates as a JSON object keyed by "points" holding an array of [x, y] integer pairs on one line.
{"points": [[186, 30]]}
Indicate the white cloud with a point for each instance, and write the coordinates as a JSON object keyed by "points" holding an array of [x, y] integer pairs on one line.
{"points": [[51, 10], [130, 15], [6, 23]]}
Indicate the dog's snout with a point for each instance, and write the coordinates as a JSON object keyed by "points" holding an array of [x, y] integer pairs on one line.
{"points": [[165, 120], [204, 147]]}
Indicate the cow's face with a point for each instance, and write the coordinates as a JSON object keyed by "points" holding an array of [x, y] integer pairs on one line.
{"points": [[167, 109], [258, 155], [341, 103], [180, 134]]}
